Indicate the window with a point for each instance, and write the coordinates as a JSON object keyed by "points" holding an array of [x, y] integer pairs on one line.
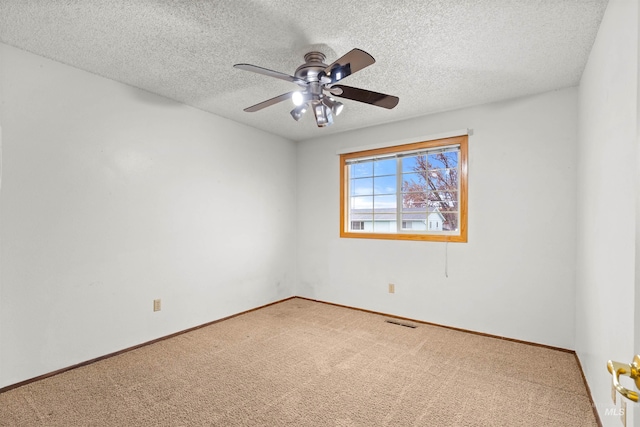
{"points": [[412, 192]]}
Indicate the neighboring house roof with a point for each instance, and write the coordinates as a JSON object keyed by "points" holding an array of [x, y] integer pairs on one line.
{"points": [[389, 214]]}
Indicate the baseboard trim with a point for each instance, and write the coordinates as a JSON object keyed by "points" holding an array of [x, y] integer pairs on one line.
{"points": [[565, 350], [116, 353], [586, 385], [106, 356]]}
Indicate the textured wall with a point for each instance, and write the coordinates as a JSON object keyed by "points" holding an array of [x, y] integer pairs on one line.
{"points": [[515, 276], [112, 197]]}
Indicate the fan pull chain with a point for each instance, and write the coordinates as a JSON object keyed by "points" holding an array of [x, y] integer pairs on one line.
{"points": [[446, 260]]}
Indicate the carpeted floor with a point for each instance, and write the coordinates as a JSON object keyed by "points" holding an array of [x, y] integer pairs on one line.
{"points": [[302, 363]]}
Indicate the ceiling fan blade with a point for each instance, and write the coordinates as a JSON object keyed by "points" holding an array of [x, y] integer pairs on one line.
{"points": [[268, 102], [367, 96], [270, 73], [354, 60]]}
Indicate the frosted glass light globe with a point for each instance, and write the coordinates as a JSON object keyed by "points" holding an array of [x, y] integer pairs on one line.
{"points": [[297, 98]]}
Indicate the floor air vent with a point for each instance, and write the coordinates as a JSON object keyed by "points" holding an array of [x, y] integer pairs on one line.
{"points": [[406, 325]]}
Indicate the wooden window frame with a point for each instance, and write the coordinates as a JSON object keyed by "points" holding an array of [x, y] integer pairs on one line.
{"points": [[461, 237]]}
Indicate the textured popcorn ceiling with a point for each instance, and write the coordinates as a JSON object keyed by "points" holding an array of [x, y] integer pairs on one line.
{"points": [[434, 55]]}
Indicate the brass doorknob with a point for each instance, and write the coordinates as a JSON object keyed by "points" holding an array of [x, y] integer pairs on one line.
{"points": [[631, 370]]}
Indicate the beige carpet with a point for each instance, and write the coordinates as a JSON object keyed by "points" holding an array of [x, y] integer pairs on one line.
{"points": [[302, 363]]}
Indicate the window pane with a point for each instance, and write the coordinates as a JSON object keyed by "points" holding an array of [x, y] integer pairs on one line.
{"points": [[384, 223], [412, 182], [364, 215], [384, 202], [450, 222], [414, 224], [414, 214], [357, 225], [436, 180], [384, 167], [443, 200], [361, 186], [384, 185], [414, 200], [414, 163], [385, 216], [441, 179], [362, 202], [414, 193], [359, 170], [443, 160]]}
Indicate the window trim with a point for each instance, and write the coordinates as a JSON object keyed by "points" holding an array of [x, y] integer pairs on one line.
{"points": [[462, 141]]}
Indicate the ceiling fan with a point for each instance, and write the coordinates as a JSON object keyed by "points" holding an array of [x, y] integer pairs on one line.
{"points": [[318, 82]]}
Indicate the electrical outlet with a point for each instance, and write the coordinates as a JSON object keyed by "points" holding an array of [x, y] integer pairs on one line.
{"points": [[392, 288], [156, 305]]}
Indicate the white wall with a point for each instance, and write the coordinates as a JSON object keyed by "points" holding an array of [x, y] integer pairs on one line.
{"points": [[112, 197], [636, 320], [514, 278], [607, 168]]}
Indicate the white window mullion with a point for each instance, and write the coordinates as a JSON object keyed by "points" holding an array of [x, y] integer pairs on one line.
{"points": [[373, 197]]}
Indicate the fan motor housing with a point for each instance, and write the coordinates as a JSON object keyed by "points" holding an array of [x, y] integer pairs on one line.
{"points": [[312, 67]]}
